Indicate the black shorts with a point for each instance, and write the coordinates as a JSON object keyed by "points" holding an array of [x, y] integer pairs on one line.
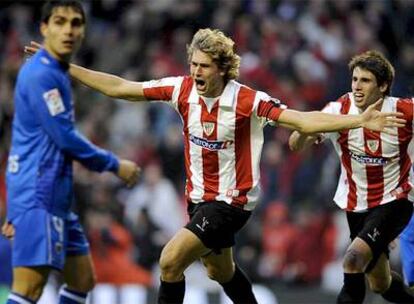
{"points": [[215, 223], [379, 226]]}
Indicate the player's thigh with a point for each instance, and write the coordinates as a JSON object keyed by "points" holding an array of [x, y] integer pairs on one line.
{"points": [[29, 281], [78, 273], [379, 278], [220, 267], [182, 250]]}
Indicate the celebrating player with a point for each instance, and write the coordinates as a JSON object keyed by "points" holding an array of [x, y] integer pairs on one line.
{"points": [[223, 138], [375, 186], [46, 235]]}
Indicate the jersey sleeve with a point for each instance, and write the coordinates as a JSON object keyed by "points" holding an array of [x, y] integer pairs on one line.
{"points": [[330, 108], [52, 107], [165, 89], [268, 109]]}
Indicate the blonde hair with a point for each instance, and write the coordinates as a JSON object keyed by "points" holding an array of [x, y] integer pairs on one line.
{"points": [[219, 47], [377, 64]]}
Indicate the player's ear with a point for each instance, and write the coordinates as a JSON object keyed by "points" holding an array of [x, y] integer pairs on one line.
{"points": [[383, 87], [43, 29]]}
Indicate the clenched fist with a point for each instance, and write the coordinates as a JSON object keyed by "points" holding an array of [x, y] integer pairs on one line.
{"points": [[7, 230], [129, 172]]}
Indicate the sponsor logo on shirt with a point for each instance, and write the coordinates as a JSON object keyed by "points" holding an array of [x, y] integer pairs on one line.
{"points": [[368, 160], [54, 102], [212, 145]]}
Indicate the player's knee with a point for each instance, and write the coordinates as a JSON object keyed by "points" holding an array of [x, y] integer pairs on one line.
{"points": [[220, 275], [31, 289], [170, 265], [84, 283], [354, 261]]}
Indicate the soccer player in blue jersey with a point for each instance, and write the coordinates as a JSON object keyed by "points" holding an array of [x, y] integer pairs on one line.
{"points": [[46, 234], [407, 253]]}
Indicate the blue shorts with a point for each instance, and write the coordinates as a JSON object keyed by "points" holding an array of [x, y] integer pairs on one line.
{"points": [[407, 252], [43, 239]]}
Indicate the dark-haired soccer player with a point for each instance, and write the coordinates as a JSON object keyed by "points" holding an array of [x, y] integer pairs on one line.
{"points": [[375, 186], [46, 235]]}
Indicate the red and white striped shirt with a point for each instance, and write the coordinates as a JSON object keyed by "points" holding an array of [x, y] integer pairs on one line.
{"points": [[222, 145], [376, 168]]}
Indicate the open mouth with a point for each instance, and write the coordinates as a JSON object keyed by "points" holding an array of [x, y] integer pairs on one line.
{"points": [[200, 84], [358, 97]]}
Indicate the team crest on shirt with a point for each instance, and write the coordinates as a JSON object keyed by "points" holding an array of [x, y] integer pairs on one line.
{"points": [[208, 127], [54, 102], [373, 145]]}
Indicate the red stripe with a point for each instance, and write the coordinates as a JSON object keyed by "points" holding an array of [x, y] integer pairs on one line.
{"points": [[242, 144], [183, 108], [159, 93], [210, 158], [346, 157], [374, 173], [404, 137]]}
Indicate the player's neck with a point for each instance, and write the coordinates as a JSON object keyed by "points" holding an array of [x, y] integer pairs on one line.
{"points": [[61, 58]]}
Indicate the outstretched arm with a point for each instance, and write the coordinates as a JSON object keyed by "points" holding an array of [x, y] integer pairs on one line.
{"points": [[108, 84], [105, 83], [315, 122]]}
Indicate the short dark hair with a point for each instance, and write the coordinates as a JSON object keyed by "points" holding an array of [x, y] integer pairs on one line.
{"points": [[377, 64], [50, 5]]}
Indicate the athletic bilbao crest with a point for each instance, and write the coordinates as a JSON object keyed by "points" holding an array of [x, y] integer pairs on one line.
{"points": [[208, 127], [373, 144]]}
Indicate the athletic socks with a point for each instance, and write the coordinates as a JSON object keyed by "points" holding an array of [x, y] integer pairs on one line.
{"points": [[67, 296], [171, 293], [239, 289], [353, 290], [15, 298], [397, 292]]}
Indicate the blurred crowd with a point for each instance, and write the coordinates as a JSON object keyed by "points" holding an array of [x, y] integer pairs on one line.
{"points": [[297, 51]]}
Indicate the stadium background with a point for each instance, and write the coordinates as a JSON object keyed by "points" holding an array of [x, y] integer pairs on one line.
{"points": [[296, 51]]}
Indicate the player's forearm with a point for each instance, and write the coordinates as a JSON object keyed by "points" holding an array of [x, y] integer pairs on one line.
{"points": [[108, 84], [318, 122]]}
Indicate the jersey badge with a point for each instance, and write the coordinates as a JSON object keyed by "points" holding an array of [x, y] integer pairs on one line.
{"points": [[54, 102], [373, 145], [208, 127]]}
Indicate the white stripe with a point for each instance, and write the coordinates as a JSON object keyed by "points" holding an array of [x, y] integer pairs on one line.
{"points": [[72, 296], [196, 156], [227, 157], [256, 146], [18, 299]]}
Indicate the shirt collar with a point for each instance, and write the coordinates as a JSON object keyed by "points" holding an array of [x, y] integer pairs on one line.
{"points": [[45, 57]]}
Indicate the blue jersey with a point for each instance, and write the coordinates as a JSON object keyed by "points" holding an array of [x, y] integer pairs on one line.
{"points": [[408, 233], [45, 141]]}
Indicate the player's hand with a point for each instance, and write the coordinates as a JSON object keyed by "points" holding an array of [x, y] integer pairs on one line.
{"points": [[8, 230], [31, 49], [129, 172], [380, 121]]}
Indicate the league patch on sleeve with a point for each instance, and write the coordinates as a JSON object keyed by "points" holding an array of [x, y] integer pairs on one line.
{"points": [[54, 102]]}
